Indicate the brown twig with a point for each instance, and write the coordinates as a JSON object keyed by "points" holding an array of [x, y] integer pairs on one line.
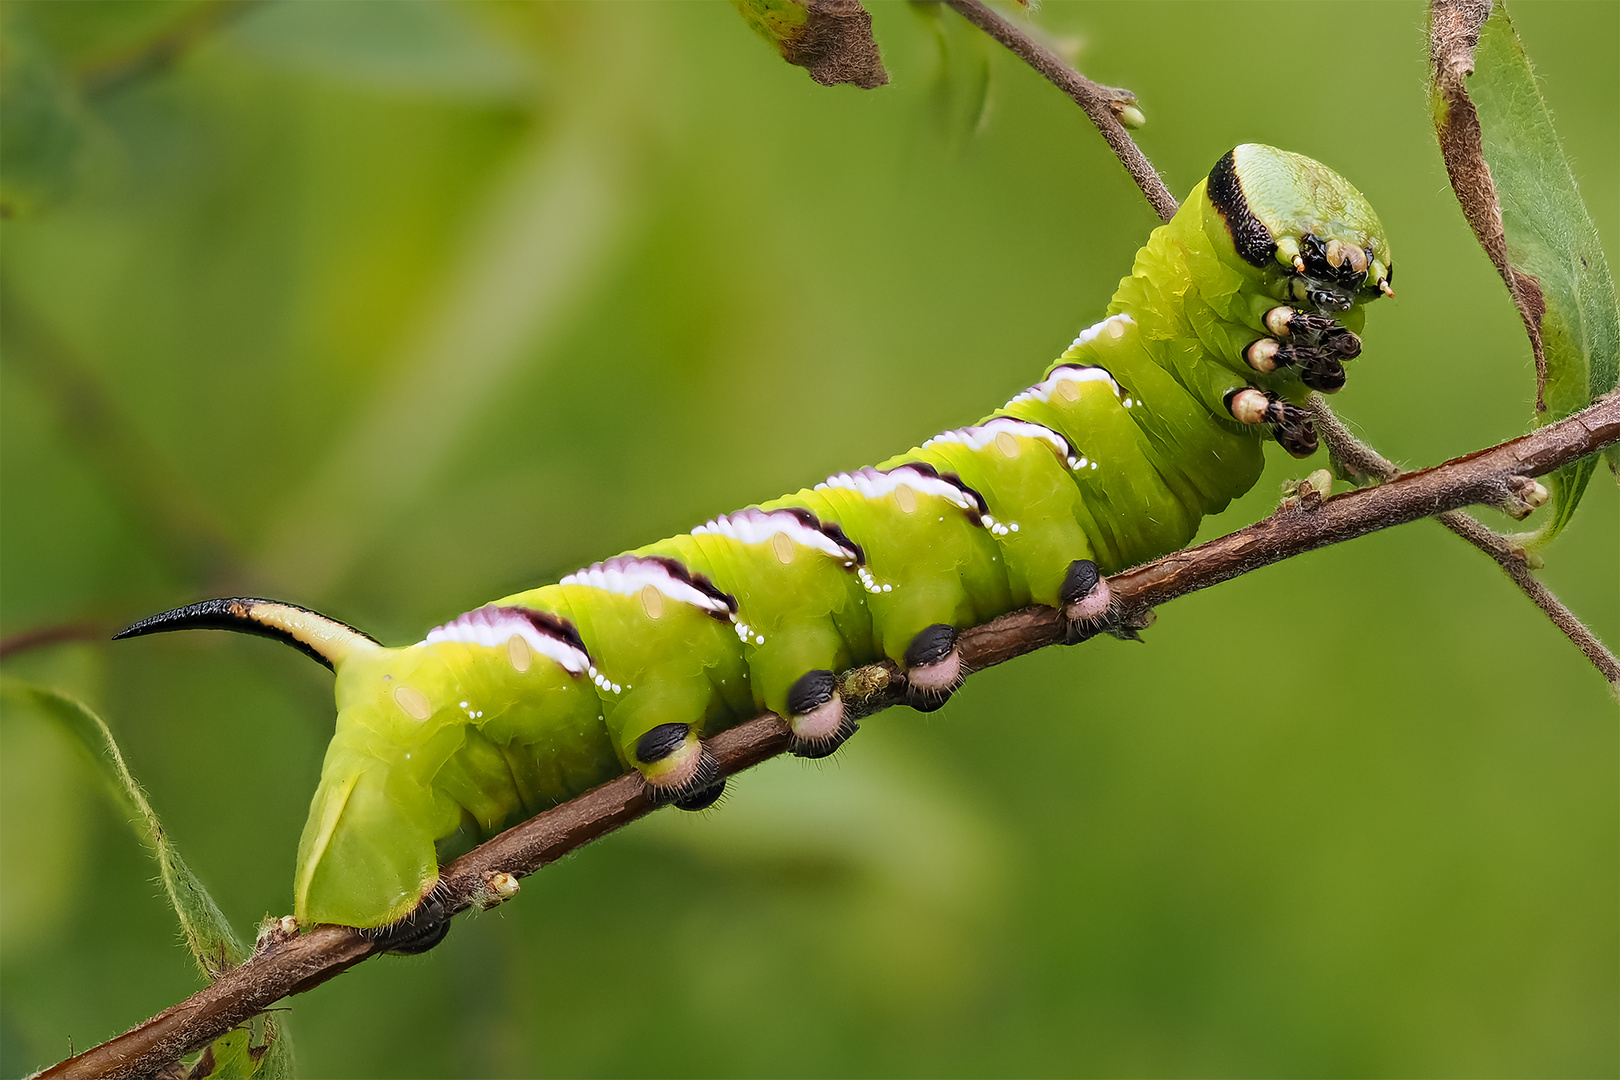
{"points": [[292, 964], [1359, 459], [1101, 103], [56, 634]]}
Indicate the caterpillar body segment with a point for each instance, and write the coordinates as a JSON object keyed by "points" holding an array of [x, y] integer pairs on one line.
{"points": [[1152, 418]]}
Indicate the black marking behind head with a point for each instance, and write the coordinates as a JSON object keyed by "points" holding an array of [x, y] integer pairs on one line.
{"points": [[931, 645], [1252, 239], [660, 742], [700, 582], [811, 690], [262, 618]]}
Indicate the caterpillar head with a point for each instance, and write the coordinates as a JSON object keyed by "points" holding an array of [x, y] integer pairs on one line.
{"points": [[1289, 213]]}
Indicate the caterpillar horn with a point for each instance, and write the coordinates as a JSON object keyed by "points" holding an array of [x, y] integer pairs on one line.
{"points": [[322, 639]]}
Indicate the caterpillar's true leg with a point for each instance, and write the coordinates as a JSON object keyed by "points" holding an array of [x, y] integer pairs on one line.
{"points": [[678, 768], [816, 715], [1291, 425], [933, 667], [1312, 343], [1086, 601], [1308, 328]]}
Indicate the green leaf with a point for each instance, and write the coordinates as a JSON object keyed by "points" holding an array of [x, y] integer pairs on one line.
{"points": [[213, 944], [1518, 192], [831, 39], [959, 97]]}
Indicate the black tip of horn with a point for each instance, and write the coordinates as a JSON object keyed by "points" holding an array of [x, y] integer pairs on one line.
{"points": [[275, 621]]}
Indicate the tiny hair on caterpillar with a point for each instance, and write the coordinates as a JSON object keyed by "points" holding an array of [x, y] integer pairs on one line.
{"points": [[1157, 415]]}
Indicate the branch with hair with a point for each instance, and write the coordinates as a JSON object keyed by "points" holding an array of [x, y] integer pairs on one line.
{"points": [[1357, 457], [287, 962]]}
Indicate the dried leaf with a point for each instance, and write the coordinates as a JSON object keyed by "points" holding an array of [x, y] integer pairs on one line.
{"points": [[1518, 193], [831, 39]]}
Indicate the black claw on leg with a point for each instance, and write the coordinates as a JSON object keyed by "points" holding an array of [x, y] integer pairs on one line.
{"points": [[705, 784], [1291, 425], [425, 926], [702, 790], [1322, 372], [810, 691], [1341, 343], [660, 742], [933, 667], [1316, 345], [815, 749], [1295, 433], [702, 800], [820, 725], [1087, 602]]}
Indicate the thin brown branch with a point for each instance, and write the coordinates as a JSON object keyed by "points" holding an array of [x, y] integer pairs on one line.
{"points": [[1513, 562], [56, 634], [1360, 460], [1101, 103], [290, 964]]}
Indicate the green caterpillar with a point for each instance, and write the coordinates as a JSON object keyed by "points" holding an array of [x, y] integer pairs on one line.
{"points": [[1153, 418]]}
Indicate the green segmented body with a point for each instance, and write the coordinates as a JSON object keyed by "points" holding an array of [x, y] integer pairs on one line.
{"points": [[1140, 429]]}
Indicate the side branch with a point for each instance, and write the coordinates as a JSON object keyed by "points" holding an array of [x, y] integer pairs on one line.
{"points": [[285, 964], [1101, 103], [1357, 457]]}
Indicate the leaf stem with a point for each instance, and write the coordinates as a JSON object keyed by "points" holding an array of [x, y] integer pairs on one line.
{"points": [[1362, 460]]}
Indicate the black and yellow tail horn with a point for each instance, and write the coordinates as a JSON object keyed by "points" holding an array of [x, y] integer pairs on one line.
{"points": [[324, 640]]}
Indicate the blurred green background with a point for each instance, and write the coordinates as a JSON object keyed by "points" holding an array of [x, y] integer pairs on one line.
{"points": [[391, 308]]}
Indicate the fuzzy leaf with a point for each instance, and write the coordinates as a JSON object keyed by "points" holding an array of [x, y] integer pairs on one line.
{"points": [[831, 39], [1519, 195], [209, 936]]}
